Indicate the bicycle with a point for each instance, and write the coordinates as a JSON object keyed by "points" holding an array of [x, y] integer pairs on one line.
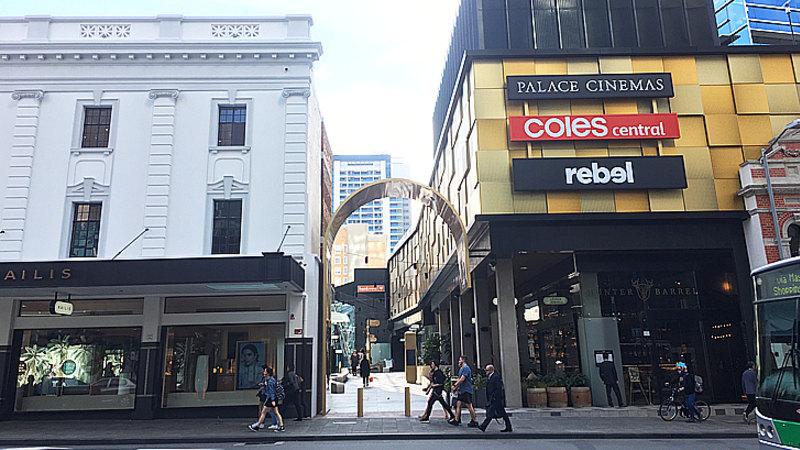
{"points": [[670, 407]]}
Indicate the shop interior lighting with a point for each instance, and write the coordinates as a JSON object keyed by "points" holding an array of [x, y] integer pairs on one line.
{"points": [[241, 287]]}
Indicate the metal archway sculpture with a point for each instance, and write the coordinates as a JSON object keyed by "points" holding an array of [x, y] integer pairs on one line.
{"points": [[396, 188]]}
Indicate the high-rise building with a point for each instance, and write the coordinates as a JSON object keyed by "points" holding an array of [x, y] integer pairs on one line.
{"points": [[389, 216], [741, 22]]}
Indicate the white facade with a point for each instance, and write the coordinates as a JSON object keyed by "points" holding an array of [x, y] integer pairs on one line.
{"points": [[164, 79]]}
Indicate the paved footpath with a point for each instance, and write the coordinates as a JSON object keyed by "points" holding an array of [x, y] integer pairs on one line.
{"points": [[526, 426]]}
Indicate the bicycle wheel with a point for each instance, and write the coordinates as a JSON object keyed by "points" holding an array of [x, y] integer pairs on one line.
{"points": [[704, 409], [668, 411]]}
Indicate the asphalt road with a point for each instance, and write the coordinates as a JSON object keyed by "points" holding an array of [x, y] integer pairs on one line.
{"points": [[579, 444]]}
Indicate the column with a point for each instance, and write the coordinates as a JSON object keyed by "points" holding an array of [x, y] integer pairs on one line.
{"points": [[159, 169], [507, 332], [295, 173], [443, 320], [483, 333], [7, 363], [467, 313], [455, 331], [148, 387], [20, 169]]}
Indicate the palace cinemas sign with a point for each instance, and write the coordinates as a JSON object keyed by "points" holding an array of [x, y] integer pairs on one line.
{"points": [[549, 87], [566, 174]]}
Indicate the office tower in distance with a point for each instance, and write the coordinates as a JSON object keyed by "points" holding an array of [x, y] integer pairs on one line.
{"points": [[741, 22], [386, 216]]}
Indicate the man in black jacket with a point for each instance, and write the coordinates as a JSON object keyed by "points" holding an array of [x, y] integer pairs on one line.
{"points": [[608, 373], [496, 398], [435, 388]]}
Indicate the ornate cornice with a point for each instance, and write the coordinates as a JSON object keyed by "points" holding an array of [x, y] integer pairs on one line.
{"points": [[154, 94], [34, 94], [301, 92]]}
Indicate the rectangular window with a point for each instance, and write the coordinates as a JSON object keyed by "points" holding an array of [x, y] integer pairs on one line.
{"points": [[96, 126], [85, 230], [337, 260], [232, 121], [227, 233]]}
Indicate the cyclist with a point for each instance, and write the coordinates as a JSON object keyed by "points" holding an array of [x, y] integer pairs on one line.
{"points": [[687, 388]]}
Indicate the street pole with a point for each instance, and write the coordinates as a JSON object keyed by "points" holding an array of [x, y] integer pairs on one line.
{"points": [[772, 208], [789, 15]]}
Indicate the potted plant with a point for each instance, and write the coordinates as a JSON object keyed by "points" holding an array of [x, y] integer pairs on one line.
{"points": [[556, 390], [535, 391], [579, 393], [479, 386]]}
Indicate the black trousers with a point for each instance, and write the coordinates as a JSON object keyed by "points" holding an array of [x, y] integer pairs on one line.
{"points": [[437, 398], [365, 379], [615, 387], [496, 413], [294, 399], [751, 404]]}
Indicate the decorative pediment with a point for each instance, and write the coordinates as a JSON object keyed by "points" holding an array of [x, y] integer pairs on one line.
{"points": [[88, 189], [228, 186]]}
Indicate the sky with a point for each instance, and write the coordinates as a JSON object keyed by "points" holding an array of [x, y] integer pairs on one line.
{"points": [[377, 79]]}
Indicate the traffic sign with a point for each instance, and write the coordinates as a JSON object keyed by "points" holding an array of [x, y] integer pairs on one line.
{"points": [[373, 338], [374, 323]]}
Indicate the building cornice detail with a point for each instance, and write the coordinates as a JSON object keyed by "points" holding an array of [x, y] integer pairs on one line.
{"points": [[34, 94], [156, 93], [299, 92]]}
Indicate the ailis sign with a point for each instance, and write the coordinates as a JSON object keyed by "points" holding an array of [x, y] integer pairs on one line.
{"points": [[588, 127]]}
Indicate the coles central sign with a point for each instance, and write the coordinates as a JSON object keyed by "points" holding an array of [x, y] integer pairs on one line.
{"points": [[588, 127]]}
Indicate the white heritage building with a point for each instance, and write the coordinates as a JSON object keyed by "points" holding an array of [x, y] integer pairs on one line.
{"points": [[150, 171]]}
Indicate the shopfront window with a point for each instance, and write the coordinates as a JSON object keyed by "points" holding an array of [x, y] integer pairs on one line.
{"points": [[219, 365], [550, 318], [77, 369], [115, 307]]}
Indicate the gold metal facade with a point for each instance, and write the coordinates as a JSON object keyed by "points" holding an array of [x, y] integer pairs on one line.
{"points": [[729, 106]]}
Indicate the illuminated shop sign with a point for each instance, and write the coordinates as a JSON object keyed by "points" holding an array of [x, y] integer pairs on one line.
{"points": [[592, 127], [365, 288], [564, 174], [548, 87]]}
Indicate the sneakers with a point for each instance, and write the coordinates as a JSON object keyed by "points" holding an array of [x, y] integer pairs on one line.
{"points": [[299, 419], [454, 422], [281, 428], [253, 427], [506, 430], [261, 427], [425, 420], [473, 424], [272, 427], [482, 428], [745, 418]]}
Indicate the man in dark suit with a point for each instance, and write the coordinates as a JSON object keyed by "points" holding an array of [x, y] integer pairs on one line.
{"points": [[496, 397], [608, 373]]}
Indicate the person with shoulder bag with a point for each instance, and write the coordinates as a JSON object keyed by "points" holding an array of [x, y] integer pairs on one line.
{"points": [[274, 392], [291, 384], [262, 397]]}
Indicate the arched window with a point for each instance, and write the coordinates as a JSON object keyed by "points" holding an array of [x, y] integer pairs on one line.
{"points": [[794, 239]]}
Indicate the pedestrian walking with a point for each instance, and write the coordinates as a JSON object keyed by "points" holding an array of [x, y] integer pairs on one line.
{"points": [[354, 363], [465, 393], [262, 398], [291, 385], [688, 389], [271, 403], [749, 386], [608, 373], [435, 389], [365, 371], [496, 399]]}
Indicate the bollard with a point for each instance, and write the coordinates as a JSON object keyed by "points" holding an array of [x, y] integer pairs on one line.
{"points": [[408, 401], [361, 402]]}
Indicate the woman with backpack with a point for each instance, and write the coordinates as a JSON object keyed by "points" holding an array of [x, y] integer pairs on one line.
{"points": [[274, 393]]}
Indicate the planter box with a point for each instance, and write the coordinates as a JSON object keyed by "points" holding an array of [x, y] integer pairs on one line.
{"points": [[580, 397], [479, 398], [557, 397], [537, 397]]}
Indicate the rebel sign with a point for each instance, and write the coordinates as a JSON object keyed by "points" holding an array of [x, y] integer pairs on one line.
{"points": [[588, 127]]}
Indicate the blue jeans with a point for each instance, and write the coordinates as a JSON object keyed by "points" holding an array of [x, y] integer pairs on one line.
{"points": [[690, 406], [274, 419]]}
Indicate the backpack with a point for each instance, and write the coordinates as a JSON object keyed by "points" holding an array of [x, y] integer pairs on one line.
{"points": [[698, 384], [280, 394]]}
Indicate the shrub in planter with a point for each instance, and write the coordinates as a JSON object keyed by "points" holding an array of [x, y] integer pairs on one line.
{"points": [[535, 391], [556, 390], [579, 393], [479, 386]]}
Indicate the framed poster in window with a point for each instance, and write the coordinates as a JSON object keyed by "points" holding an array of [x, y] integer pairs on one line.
{"points": [[249, 358]]}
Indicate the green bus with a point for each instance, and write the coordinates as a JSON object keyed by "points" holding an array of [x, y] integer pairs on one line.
{"points": [[777, 308]]}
